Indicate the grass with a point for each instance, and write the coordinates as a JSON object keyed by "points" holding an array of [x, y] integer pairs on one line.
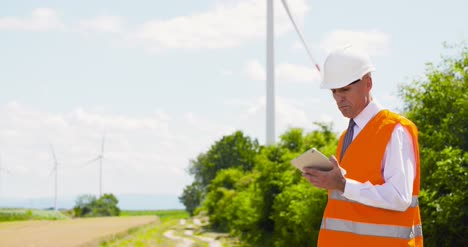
{"points": [[19, 214], [153, 234], [162, 214]]}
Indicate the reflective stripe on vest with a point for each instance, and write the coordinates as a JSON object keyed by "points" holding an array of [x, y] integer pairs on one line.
{"points": [[336, 195], [372, 229]]}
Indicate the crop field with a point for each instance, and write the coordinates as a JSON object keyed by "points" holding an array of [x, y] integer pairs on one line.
{"points": [[70, 232], [14, 214]]}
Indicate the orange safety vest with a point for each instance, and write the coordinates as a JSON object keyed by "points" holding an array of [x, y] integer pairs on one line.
{"points": [[346, 222]]}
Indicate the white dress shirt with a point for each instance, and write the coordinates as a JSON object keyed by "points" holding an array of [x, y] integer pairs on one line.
{"points": [[398, 169]]}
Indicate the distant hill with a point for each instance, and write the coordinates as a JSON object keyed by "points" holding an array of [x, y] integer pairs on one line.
{"points": [[126, 202]]}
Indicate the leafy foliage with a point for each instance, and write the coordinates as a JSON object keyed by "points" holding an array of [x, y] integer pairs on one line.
{"points": [[438, 105], [264, 201], [89, 206], [232, 151], [297, 214], [220, 194], [191, 197]]}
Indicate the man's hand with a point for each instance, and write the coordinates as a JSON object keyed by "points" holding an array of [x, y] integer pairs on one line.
{"points": [[330, 180]]}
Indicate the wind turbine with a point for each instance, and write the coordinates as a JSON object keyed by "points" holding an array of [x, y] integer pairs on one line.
{"points": [[101, 157], [55, 169], [270, 71], [270, 76]]}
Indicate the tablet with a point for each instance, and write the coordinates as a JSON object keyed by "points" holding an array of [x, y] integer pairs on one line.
{"points": [[314, 159]]}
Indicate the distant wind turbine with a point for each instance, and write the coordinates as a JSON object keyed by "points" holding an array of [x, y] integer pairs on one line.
{"points": [[55, 170], [100, 157]]}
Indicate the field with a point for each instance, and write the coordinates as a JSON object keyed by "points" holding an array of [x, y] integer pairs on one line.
{"points": [[164, 228], [73, 232], [13, 214]]}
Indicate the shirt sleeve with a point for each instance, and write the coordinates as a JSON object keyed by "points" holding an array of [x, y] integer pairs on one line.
{"points": [[398, 170]]}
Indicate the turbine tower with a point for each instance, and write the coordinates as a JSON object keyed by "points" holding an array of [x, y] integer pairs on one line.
{"points": [[270, 76], [100, 157]]}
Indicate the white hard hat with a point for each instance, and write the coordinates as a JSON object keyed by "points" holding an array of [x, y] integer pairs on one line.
{"points": [[344, 66]]}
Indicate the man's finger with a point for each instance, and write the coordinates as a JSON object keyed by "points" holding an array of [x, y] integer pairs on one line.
{"points": [[334, 161]]}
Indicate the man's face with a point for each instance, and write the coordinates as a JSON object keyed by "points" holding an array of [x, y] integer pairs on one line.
{"points": [[353, 98]]}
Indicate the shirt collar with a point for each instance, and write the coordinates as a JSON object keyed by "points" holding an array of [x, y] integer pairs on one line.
{"points": [[367, 114]]}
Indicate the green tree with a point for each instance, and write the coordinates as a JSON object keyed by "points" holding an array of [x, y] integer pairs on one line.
{"points": [[84, 205], [438, 105], [106, 205], [293, 140], [89, 206], [192, 197], [256, 194], [232, 151], [273, 173], [323, 139]]}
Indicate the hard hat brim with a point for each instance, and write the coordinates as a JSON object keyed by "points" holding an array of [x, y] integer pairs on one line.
{"points": [[340, 84]]}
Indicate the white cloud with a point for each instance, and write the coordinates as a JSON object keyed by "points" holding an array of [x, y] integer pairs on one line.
{"points": [[42, 19], [289, 113], [288, 73], [236, 102], [106, 24], [226, 72], [141, 154], [227, 25], [374, 42], [255, 70], [207, 128], [285, 72]]}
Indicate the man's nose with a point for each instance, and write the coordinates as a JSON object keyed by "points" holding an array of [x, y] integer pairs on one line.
{"points": [[339, 97]]}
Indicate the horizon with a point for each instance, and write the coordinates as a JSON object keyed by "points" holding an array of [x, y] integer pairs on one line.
{"points": [[126, 202]]}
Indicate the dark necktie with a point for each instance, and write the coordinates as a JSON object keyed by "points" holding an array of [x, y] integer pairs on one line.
{"points": [[348, 137]]}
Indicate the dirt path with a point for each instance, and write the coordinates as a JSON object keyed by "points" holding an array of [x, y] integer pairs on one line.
{"points": [[67, 233], [186, 241], [182, 242]]}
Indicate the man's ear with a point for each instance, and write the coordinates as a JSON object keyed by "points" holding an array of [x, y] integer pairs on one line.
{"points": [[368, 81]]}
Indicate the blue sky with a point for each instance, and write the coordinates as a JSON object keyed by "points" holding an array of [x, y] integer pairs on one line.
{"points": [[163, 80]]}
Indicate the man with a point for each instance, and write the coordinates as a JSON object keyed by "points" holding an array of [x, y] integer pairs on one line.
{"points": [[374, 184]]}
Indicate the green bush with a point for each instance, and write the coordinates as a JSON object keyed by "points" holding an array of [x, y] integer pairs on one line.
{"points": [[297, 213], [438, 105], [89, 206]]}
